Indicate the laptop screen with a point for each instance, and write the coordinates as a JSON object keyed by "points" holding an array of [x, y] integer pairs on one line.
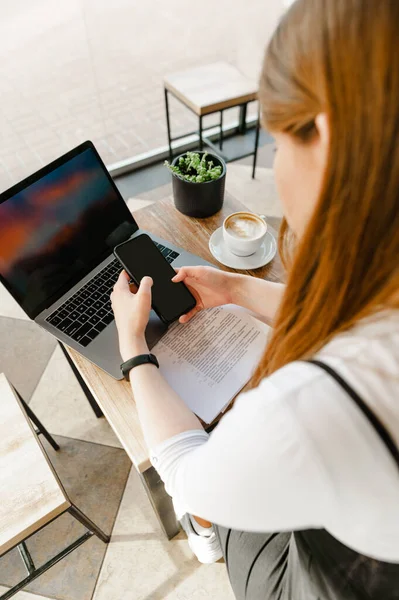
{"points": [[56, 228]]}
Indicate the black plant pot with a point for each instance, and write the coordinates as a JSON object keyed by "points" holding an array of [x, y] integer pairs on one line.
{"points": [[199, 199]]}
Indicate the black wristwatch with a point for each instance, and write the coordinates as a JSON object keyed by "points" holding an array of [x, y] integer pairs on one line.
{"points": [[142, 359]]}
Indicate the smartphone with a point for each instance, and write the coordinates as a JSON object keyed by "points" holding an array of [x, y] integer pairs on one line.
{"points": [[140, 257]]}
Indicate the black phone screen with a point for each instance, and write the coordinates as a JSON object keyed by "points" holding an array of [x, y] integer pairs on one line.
{"points": [[140, 257]]}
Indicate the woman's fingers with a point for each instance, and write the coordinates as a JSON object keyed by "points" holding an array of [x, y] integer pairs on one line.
{"points": [[145, 286], [121, 286], [180, 275], [123, 281], [187, 273], [133, 287], [185, 318], [143, 298]]}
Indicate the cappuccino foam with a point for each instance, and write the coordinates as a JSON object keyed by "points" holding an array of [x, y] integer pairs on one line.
{"points": [[245, 227]]}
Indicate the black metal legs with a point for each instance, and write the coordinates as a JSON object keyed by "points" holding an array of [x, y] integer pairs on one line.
{"points": [[38, 424], [256, 144], [242, 119], [168, 124], [26, 557], [242, 128], [200, 133], [34, 573], [96, 409], [43, 568], [88, 523]]}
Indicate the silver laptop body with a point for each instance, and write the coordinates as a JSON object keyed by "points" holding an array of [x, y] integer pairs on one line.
{"points": [[61, 269]]}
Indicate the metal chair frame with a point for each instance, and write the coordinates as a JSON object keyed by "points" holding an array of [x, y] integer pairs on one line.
{"points": [[92, 529], [203, 140], [34, 572]]}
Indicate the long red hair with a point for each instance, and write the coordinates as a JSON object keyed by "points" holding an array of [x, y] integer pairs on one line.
{"points": [[339, 57]]}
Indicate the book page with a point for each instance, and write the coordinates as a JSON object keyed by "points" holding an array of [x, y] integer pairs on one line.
{"points": [[209, 359]]}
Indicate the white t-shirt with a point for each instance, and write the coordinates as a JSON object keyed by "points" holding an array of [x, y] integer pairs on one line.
{"points": [[297, 453]]}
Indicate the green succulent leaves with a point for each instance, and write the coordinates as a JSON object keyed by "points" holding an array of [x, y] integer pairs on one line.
{"points": [[192, 167]]}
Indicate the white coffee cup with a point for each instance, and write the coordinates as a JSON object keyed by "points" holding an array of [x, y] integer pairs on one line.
{"points": [[244, 232]]}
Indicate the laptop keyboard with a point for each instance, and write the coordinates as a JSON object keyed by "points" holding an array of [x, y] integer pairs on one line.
{"points": [[84, 316]]}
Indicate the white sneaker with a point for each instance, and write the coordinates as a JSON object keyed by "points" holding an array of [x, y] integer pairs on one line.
{"points": [[206, 548]]}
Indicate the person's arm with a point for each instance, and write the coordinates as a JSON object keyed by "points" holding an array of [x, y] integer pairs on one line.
{"points": [[260, 296], [212, 287], [259, 470], [161, 411]]}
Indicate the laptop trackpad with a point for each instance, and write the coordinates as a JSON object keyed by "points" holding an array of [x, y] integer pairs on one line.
{"points": [[155, 330]]}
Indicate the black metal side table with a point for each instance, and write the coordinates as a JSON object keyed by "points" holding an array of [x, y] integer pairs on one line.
{"points": [[210, 89]]}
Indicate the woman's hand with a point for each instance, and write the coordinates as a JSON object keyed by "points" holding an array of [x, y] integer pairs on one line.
{"points": [[209, 286], [132, 311]]}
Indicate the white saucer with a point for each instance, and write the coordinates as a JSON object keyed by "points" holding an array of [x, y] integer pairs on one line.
{"points": [[264, 255]]}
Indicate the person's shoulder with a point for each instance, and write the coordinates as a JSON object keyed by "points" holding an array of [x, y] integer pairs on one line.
{"points": [[366, 356], [371, 334]]}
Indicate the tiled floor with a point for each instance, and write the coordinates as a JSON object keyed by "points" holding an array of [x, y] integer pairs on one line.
{"points": [[141, 564], [138, 564], [20, 359], [93, 69]]}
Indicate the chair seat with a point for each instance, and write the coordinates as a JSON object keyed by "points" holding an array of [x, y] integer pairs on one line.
{"points": [[30, 494], [211, 88]]}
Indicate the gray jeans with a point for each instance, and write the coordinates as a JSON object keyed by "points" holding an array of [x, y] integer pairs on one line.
{"points": [[307, 565]]}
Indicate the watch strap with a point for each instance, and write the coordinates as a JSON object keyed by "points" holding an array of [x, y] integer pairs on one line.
{"points": [[141, 359]]}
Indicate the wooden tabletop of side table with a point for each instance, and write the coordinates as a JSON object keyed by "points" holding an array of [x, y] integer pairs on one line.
{"points": [[209, 88], [115, 397], [30, 495]]}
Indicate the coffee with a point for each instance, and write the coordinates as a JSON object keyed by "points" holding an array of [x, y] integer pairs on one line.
{"points": [[244, 232], [245, 226]]}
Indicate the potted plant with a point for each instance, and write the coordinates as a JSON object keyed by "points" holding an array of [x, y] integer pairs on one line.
{"points": [[198, 183]]}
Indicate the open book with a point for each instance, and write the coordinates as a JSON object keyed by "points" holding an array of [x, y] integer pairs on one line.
{"points": [[208, 360]]}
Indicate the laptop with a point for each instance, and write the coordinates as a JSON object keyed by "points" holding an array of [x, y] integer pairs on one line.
{"points": [[58, 229]]}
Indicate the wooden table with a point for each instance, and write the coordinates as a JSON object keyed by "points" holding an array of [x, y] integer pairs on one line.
{"points": [[115, 397]]}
